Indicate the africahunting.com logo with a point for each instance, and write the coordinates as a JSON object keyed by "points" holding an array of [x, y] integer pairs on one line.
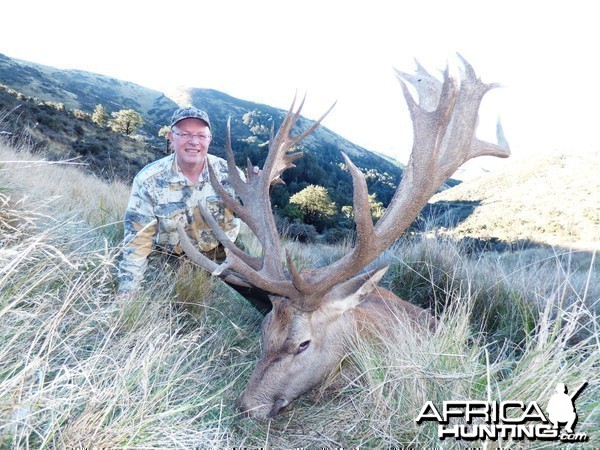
{"points": [[514, 420]]}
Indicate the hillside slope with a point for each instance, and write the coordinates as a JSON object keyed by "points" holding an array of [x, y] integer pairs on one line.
{"points": [[81, 90], [78, 89], [552, 198], [52, 130]]}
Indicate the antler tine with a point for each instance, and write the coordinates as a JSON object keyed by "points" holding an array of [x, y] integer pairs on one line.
{"points": [[297, 280], [230, 202], [268, 271], [248, 191], [353, 262], [234, 177], [234, 270], [279, 159], [239, 185], [360, 200], [428, 87], [206, 263], [254, 263], [444, 124], [314, 125]]}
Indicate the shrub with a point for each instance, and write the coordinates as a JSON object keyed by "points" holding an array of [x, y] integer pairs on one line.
{"points": [[338, 235], [81, 115], [301, 232]]}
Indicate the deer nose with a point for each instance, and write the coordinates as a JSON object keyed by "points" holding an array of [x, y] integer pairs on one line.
{"points": [[278, 405], [241, 405]]}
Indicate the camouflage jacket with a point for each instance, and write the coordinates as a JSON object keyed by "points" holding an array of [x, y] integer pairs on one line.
{"points": [[161, 196]]}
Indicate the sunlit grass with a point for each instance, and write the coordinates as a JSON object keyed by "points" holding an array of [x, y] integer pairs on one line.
{"points": [[163, 370], [77, 369]]}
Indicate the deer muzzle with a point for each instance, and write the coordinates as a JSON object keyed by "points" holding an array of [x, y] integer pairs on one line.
{"points": [[262, 411]]}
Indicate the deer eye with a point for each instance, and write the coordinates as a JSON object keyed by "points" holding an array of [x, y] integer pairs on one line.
{"points": [[303, 346]]}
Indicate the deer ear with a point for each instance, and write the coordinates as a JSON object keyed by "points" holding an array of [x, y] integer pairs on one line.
{"points": [[351, 293]]}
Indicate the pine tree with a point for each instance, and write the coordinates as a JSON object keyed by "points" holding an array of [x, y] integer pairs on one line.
{"points": [[164, 132], [99, 116], [126, 121], [315, 203]]}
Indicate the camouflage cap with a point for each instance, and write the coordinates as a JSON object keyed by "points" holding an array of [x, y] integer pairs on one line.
{"points": [[189, 112]]}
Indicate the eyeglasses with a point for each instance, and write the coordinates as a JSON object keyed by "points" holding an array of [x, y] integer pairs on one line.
{"points": [[190, 136]]}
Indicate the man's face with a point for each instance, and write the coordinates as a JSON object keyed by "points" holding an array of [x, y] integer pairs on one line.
{"points": [[190, 139]]}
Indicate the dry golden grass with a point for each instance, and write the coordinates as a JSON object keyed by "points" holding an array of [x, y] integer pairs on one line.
{"points": [[163, 371], [550, 198], [62, 189]]}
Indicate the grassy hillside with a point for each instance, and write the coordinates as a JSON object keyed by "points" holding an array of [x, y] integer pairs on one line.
{"points": [[550, 198], [78, 89], [163, 371], [57, 133], [66, 97]]}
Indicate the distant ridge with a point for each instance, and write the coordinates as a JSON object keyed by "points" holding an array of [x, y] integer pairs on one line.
{"points": [[551, 198], [80, 90]]}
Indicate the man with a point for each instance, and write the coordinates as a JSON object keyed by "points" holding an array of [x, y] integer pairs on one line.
{"points": [[167, 192]]}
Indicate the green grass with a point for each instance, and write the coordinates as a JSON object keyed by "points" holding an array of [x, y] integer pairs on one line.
{"points": [[163, 370]]}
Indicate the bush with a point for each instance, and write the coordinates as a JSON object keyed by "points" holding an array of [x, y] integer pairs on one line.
{"points": [[88, 146], [81, 115], [301, 232], [336, 235]]}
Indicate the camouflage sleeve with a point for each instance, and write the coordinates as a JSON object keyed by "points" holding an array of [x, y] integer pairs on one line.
{"points": [[140, 228]]}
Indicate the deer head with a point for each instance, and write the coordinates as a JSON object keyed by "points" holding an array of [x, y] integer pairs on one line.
{"points": [[302, 335]]}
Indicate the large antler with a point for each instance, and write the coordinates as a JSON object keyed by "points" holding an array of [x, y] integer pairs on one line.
{"points": [[254, 208], [444, 123]]}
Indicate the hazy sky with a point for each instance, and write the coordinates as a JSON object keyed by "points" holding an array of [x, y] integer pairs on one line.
{"points": [[546, 54]]}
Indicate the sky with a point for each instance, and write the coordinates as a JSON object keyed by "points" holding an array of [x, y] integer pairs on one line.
{"points": [[546, 56]]}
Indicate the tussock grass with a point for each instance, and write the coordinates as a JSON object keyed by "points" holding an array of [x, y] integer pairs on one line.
{"points": [[163, 371], [463, 361], [76, 369], [62, 189], [508, 290]]}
